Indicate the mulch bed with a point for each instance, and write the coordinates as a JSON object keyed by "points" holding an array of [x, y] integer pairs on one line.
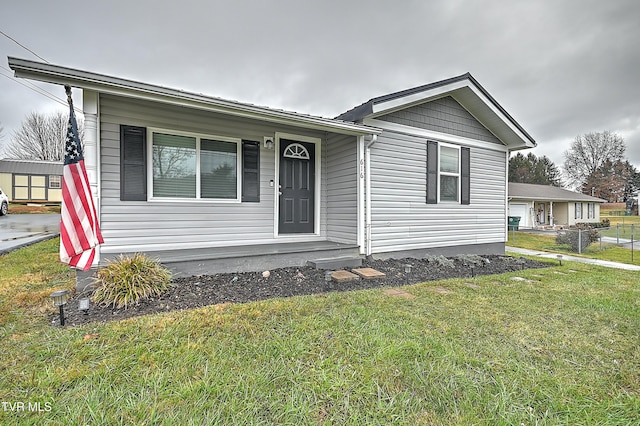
{"points": [[205, 290]]}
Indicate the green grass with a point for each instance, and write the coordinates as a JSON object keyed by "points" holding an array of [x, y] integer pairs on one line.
{"points": [[620, 230], [547, 242], [561, 348], [627, 220], [27, 278]]}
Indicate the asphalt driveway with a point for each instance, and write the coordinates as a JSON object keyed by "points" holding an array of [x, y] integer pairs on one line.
{"points": [[19, 230]]}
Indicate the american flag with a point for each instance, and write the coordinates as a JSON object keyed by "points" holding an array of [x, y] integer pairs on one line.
{"points": [[79, 229]]}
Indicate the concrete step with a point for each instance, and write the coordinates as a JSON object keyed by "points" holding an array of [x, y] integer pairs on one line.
{"points": [[336, 262]]}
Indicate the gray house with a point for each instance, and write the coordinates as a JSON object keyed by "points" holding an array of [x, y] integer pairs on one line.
{"points": [[207, 184]]}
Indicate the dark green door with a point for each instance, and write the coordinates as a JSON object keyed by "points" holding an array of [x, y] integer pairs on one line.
{"points": [[297, 186]]}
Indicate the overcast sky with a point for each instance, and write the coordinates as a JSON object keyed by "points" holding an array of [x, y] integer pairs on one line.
{"points": [[560, 68]]}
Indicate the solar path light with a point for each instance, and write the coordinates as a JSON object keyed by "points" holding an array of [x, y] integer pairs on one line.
{"points": [[60, 298]]}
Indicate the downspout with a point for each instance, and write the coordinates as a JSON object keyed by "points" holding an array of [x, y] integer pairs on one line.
{"points": [[506, 191], [361, 197], [367, 190]]}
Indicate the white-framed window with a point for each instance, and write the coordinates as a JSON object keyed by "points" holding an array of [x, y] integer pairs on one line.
{"points": [[578, 211], [449, 173], [591, 210], [55, 182], [194, 166]]}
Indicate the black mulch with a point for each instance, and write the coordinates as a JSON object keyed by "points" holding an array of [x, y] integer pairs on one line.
{"points": [[204, 290]]}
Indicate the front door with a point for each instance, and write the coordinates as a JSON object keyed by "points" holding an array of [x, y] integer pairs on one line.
{"points": [[541, 214], [297, 186]]}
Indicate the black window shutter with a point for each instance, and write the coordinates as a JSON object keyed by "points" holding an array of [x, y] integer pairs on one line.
{"points": [[465, 176], [432, 172], [250, 172], [133, 170]]}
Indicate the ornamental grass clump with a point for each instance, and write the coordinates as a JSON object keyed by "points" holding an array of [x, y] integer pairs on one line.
{"points": [[127, 280]]}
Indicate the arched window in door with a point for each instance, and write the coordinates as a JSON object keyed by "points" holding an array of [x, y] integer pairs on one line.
{"points": [[295, 150]]}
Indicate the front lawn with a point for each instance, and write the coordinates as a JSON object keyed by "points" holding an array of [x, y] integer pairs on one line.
{"points": [[547, 242], [554, 346]]}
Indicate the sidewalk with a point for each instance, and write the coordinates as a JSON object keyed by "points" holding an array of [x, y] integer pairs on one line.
{"points": [[554, 256]]}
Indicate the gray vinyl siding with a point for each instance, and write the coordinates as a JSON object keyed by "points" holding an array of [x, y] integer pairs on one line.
{"points": [[342, 188], [443, 115], [401, 219], [162, 225]]}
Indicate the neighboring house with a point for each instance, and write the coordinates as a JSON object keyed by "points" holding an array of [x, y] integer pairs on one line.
{"points": [[30, 181], [550, 206], [207, 184]]}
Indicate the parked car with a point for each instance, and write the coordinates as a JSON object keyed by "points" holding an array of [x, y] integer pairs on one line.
{"points": [[4, 207]]}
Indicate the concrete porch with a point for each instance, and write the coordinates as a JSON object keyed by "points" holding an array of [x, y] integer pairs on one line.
{"points": [[248, 258]]}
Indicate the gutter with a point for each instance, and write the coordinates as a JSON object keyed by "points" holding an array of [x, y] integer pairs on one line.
{"points": [[102, 83], [367, 190]]}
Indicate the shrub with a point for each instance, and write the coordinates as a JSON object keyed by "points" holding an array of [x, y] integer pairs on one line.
{"points": [[579, 238], [605, 223], [127, 280]]}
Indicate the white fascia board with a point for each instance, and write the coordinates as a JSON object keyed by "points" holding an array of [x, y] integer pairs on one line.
{"points": [[503, 118], [430, 134], [122, 87], [557, 200]]}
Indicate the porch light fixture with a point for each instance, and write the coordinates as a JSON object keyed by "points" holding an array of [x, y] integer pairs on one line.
{"points": [[407, 268], [60, 298], [83, 305], [268, 142]]}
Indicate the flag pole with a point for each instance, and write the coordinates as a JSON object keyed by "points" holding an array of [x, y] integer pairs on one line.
{"points": [[67, 90], [79, 229]]}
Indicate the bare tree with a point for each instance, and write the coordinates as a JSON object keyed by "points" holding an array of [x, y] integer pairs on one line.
{"points": [[40, 137], [589, 152], [614, 182]]}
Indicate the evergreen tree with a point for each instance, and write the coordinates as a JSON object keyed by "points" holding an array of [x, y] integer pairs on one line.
{"points": [[532, 169]]}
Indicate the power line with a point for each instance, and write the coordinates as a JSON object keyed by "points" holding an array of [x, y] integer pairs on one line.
{"points": [[23, 46], [33, 85], [28, 84], [40, 91]]}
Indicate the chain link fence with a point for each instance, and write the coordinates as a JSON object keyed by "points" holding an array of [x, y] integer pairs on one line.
{"points": [[579, 238]]}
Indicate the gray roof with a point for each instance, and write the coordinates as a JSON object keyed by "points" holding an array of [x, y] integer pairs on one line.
{"points": [[31, 167], [529, 191], [367, 108], [102, 83]]}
